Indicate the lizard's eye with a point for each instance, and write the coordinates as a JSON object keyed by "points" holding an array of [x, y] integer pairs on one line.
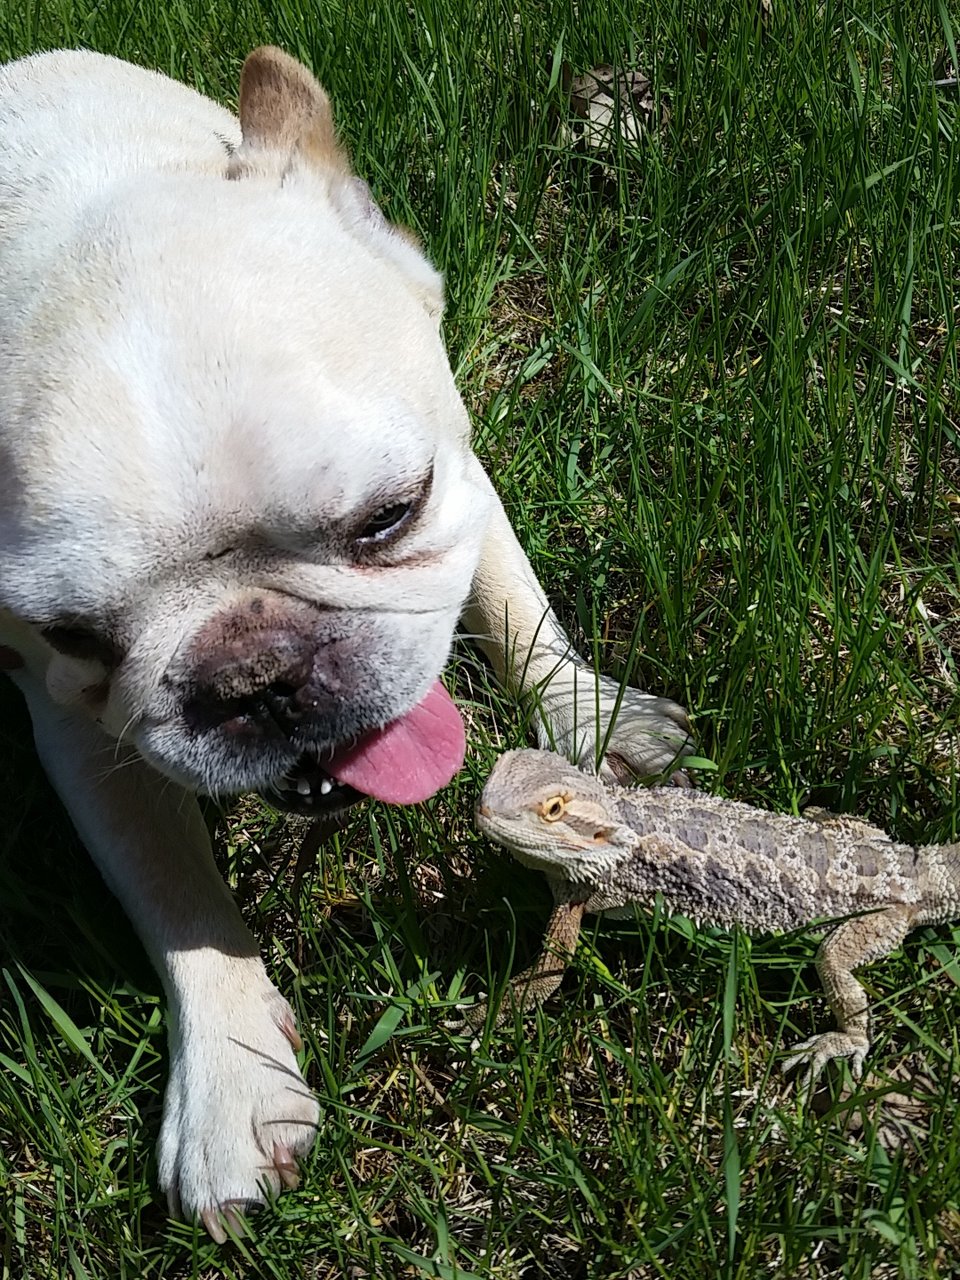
{"points": [[553, 810]]}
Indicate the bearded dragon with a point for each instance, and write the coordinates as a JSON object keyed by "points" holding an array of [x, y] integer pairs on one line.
{"points": [[607, 848]]}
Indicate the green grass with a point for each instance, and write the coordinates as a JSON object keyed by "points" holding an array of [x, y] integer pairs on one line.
{"points": [[716, 377]]}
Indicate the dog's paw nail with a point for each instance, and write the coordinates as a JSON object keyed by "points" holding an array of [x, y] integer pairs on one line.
{"points": [[212, 1221], [226, 1219], [289, 1028], [286, 1166]]}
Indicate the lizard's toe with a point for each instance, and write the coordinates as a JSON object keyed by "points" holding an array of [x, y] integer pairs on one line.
{"points": [[824, 1048]]}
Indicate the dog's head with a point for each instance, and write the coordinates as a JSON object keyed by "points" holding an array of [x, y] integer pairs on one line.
{"points": [[236, 492]]}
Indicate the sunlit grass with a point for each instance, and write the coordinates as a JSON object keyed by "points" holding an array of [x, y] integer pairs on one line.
{"points": [[716, 378]]}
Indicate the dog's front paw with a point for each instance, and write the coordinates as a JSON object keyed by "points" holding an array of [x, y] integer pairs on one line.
{"points": [[237, 1112], [576, 710]]}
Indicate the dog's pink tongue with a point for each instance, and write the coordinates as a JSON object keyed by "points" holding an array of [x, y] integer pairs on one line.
{"points": [[409, 759]]}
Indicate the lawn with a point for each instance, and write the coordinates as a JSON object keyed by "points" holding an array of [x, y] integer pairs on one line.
{"points": [[714, 371]]}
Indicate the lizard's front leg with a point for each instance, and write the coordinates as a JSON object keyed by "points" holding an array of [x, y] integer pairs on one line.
{"points": [[850, 946], [512, 621], [538, 982]]}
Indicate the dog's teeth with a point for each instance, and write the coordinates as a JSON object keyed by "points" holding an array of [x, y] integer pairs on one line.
{"points": [[303, 787], [326, 786]]}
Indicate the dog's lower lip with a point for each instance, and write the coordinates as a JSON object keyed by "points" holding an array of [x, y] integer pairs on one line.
{"points": [[308, 789]]}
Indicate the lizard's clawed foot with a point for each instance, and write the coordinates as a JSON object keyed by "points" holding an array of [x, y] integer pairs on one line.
{"points": [[821, 1049]]}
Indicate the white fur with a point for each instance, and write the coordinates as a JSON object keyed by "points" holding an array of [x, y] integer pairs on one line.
{"points": [[210, 361]]}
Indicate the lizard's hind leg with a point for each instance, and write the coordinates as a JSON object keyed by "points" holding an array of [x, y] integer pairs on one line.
{"points": [[851, 945]]}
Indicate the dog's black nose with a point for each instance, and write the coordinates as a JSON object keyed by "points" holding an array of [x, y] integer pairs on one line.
{"points": [[269, 667], [285, 703], [257, 675], [257, 663]]}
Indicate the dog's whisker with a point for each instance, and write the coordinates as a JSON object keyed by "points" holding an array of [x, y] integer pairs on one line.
{"points": [[132, 720]]}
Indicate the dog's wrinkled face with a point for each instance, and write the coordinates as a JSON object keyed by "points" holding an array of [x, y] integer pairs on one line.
{"points": [[236, 492]]}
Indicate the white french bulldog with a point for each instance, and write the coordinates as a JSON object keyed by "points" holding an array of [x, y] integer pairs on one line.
{"points": [[239, 522]]}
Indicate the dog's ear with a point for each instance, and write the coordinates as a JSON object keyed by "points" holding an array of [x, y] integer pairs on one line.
{"points": [[284, 115], [287, 124]]}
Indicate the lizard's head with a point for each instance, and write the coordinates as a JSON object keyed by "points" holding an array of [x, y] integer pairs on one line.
{"points": [[552, 816]]}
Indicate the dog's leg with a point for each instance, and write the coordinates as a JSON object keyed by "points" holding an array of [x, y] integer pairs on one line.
{"points": [[237, 1111], [512, 621]]}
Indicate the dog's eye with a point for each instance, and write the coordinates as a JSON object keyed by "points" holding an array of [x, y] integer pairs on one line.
{"points": [[82, 643], [382, 524], [385, 523]]}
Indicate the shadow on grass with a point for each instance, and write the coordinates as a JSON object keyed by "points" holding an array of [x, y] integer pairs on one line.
{"points": [[57, 917]]}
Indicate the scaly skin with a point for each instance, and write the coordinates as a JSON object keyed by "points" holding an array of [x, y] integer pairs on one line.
{"points": [[605, 849]]}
